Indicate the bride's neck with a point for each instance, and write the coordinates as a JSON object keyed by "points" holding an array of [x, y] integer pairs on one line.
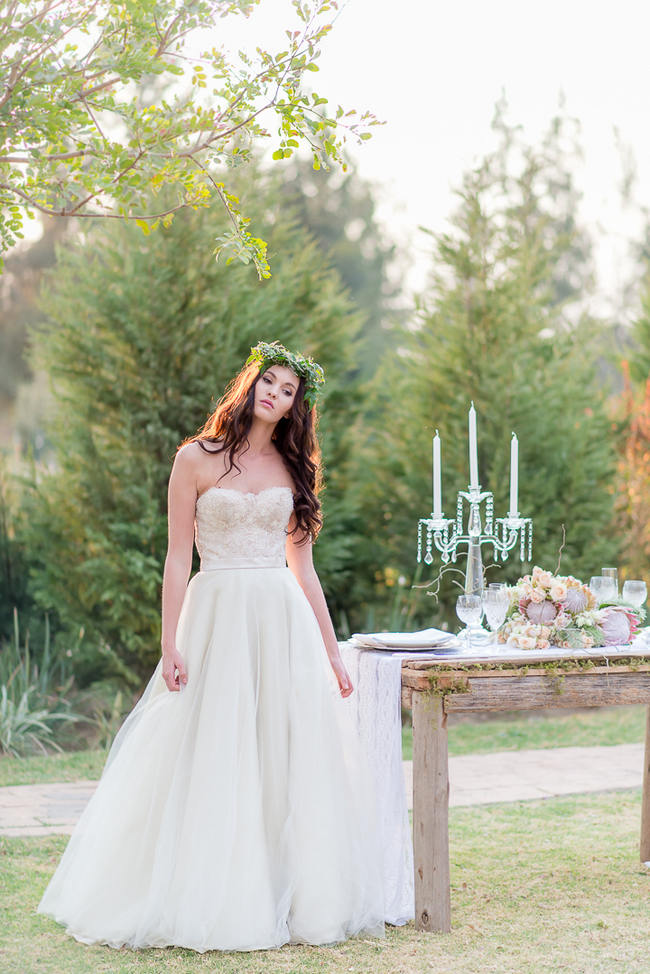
{"points": [[259, 438]]}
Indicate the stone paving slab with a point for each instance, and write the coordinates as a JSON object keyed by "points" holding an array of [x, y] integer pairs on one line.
{"points": [[43, 809], [509, 776], [475, 779]]}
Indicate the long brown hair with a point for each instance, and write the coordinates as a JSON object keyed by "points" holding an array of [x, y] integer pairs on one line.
{"points": [[295, 436]]}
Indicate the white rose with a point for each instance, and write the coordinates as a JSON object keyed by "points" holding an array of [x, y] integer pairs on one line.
{"points": [[526, 642], [558, 591]]}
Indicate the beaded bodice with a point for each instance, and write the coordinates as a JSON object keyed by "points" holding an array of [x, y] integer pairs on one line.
{"points": [[237, 529]]}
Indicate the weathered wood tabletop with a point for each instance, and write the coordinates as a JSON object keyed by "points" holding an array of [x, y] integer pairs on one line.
{"points": [[434, 687]]}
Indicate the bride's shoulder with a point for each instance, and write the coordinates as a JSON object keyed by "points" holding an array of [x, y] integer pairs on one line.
{"points": [[191, 457], [213, 445], [196, 449]]}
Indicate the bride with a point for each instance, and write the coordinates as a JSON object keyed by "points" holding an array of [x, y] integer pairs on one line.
{"points": [[235, 810]]}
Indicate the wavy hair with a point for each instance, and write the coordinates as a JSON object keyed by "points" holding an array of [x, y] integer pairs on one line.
{"points": [[295, 437]]}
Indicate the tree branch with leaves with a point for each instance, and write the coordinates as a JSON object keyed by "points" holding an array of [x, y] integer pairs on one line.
{"points": [[77, 137]]}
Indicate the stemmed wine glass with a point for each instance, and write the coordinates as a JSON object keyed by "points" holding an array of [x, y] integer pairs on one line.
{"points": [[603, 587], [495, 605], [635, 592], [613, 574], [469, 609]]}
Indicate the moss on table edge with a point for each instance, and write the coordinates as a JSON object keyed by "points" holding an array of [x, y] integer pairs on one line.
{"points": [[442, 682]]}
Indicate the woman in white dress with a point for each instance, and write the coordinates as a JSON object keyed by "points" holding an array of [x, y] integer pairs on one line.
{"points": [[235, 810]]}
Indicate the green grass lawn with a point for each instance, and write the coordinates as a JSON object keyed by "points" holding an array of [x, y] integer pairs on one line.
{"points": [[537, 887], [510, 732], [69, 766]]}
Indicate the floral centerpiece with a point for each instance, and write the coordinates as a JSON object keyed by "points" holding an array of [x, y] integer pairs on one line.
{"points": [[559, 610]]}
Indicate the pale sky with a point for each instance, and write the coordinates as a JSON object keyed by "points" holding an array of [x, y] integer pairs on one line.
{"points": [[435, 71]]}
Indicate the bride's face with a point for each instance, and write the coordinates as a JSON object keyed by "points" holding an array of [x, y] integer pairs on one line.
{"points": [[275, 392]]}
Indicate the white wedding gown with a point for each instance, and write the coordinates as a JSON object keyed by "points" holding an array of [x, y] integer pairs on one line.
{"points": [[238, 813]]}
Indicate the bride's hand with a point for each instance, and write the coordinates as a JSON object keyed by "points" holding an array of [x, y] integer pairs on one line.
{"points": [[344, 681], [171, 662]]}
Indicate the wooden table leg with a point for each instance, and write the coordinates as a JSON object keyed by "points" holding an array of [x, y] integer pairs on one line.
{"points": [[430, 813], [645, 800]]}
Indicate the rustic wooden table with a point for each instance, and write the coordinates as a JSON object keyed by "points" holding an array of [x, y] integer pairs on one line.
{"points": [[435, 687]]}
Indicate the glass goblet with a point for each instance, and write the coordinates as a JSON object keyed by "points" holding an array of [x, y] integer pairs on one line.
{"points": [[495, 606], [469, 609], [635, 592], [603, 587], [613, 574]]}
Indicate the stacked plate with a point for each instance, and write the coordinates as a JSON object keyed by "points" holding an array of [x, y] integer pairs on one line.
{"points": [[426, 640]]}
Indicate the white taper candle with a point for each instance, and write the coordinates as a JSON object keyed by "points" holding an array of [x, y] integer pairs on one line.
{"points": [[437, 477], [473, 451], [514, 476]]}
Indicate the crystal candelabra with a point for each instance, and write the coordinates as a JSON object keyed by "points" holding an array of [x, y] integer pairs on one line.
{"points": [[502, 533]]}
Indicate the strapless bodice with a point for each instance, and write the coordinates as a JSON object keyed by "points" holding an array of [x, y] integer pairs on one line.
{"points": [[237, 529]]}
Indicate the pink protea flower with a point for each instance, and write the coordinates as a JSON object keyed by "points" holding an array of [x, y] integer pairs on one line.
{"points": [[618, 627], [576, 600], [541, 613], [579, 597]]}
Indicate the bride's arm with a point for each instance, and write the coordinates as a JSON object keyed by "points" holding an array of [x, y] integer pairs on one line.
{"points": [[300, 561], [181, 501]]}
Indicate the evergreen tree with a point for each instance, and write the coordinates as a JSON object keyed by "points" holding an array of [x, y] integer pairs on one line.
{"points": [[491, 328], [339, 213], [141, 339]]}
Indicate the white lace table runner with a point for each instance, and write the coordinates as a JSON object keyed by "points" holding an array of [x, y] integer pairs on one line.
{"points": [[376, 676]]}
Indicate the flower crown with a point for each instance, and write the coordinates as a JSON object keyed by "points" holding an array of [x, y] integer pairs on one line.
{"points": [[266, 354]]}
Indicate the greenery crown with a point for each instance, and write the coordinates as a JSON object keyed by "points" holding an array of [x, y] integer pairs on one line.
{"points": [[266, 354]]}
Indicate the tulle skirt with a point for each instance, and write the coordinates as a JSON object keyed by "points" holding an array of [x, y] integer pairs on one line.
{"points": [[239, 813]]}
